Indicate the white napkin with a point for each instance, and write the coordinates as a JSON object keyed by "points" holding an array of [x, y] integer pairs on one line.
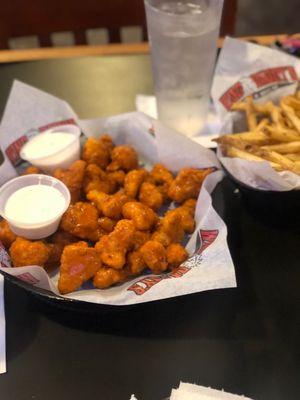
{"points": [[2, 328], [212, 129], [188, 391]]}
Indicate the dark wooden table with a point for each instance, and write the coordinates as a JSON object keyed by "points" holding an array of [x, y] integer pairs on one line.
{"points": [[245, 340]]}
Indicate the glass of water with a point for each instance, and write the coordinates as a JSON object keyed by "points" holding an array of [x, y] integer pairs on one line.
{"points": [[183, 40]]}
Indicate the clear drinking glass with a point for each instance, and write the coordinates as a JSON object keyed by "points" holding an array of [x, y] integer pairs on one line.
{"points": [[183, 40]]}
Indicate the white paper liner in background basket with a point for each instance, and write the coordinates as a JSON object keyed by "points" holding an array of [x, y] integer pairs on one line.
{"points": [[245, 69], [210, 266]]}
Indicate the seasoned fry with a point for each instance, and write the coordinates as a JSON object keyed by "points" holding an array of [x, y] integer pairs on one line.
{"points": [[263, 108], [251, 116], [282, 134], [284, 148], [293, 156], [275, 138], [290, 114], [261, 125], [255, 137], [231, 151]]}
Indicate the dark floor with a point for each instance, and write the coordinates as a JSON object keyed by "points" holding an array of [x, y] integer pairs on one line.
{"points": [[263, 17]]}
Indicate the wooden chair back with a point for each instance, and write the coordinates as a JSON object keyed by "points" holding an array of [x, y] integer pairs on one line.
{"points": [[20, 18]]}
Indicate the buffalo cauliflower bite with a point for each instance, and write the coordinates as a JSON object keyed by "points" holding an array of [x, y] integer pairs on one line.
{"points": [[135, 263], [187, 184], [95, 151], [123, 157], [176, 255], [79, 263], [133, 181], [7, 237], [97, 179], [114, 246], [31, 170], [106, 224], [142, 216], [81, 219], [106, 277], [109, 205], [155, 256], [160, 174], [72, 178], [118, 177], [25, 252], [151, 196]]}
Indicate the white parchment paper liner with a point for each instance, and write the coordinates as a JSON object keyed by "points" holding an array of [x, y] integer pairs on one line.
{"points": [[210, 266]]}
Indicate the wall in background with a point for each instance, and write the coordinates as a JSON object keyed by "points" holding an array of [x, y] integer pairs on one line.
{"points": [[262, 17]]}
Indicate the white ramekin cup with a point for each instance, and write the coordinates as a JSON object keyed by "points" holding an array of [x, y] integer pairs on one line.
{"points": [[36, 230], [62, 158]]}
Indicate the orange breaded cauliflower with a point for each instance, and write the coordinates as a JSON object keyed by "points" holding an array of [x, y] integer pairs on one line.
{"points": [[151, 196], [31, 170], [113, 247], [109, 205], [160, 174], [162, 237], [95, 151], [58, 241], [123, 157], [139, 238], [97, 179], [176, 255], [79, 263], [142, 216], [187, 184], [118, 177], [187, 221], [72, 178], [191, 205], [107, 224], [106, 277], [133, 181], [25, 252], [81, 219], [171, 225], [155, 256], [135, 263], [7, 237], [107, 142]]}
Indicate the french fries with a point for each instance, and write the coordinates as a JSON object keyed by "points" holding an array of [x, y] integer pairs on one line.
{"points": [[285, 148], [293, 156], [273, 134]]}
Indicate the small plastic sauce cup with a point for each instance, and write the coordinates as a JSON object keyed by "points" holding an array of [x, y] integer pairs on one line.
{"points": [[36, 229], [61, 157]]}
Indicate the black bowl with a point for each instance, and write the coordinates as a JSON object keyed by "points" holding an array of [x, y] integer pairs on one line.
{"points": [[276, 208]]}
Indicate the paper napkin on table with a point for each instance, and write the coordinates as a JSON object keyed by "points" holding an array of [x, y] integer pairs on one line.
{"points": [[188, 391], [2, 328]]}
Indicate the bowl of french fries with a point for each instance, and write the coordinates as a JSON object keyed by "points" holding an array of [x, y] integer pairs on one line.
{"points": [[272, 136]]}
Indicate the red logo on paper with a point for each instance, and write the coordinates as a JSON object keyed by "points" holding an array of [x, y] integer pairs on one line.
{"points": [[13, 150], [257, 83], [27, 277], [70, 121], [204, 239], [142, 286]]}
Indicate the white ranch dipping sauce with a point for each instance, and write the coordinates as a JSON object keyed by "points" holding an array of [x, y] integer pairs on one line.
{"points": [[35, 204], [47, 144]]}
